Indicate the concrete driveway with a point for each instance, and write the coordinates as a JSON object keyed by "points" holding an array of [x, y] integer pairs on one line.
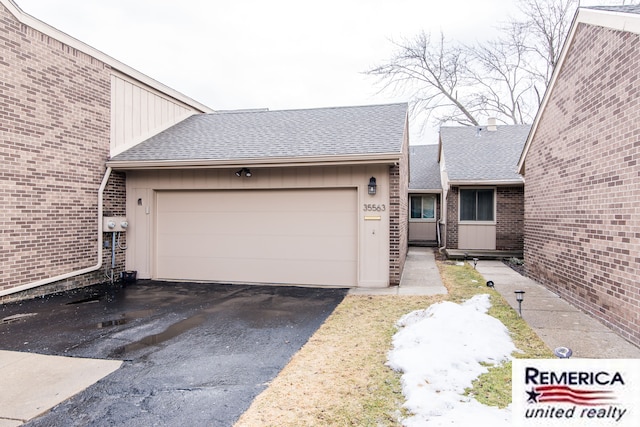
{"points": [[194, 354]]}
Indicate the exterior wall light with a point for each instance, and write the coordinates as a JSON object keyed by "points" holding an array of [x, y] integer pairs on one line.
{"points": [[246, 171], [519, 298], [372, 186]]}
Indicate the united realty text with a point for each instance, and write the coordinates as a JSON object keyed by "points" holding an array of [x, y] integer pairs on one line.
{"points": [[609, 412]]}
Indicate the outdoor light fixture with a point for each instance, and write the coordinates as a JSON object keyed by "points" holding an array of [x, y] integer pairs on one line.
{"points": [[563, 352], [372, 186], [519, 298], [490, 284], [246, 171], [475, 262]]}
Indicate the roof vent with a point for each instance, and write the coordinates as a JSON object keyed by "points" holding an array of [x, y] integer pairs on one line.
{"points": [[491, 124], [479, 131]]}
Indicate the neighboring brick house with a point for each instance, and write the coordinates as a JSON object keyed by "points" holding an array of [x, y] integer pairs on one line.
{"points": [[581, 164], [483, 195], [64, 108], [70, 117]]}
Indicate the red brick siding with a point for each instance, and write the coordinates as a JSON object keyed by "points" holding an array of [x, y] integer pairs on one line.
{"points": [[452, 218], [399, 215], [114, 204], [509, 218], [54, 121], [582, 223]]}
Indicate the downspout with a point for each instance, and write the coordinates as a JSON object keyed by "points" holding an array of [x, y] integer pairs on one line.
{"points": [[443, 214], [64, 276]]}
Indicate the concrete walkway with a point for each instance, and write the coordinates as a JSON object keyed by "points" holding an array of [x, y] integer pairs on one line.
{"points": [[557, 322], [31, 384], [420, 277]]}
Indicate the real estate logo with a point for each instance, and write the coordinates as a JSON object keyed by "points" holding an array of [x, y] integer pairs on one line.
{"points": [[581, 392]]}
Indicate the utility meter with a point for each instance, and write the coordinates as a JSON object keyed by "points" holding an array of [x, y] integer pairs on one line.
{"points": [[114, 224]]}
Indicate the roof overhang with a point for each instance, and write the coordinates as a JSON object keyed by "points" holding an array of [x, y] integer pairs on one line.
{"points": [[425, 190], [389, 158], [620, 21], [494, 182]]}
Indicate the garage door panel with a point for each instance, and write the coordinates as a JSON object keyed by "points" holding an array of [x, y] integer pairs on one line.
{"points": [[263, 271], [202, 223], [274, 236], [289, 247]]}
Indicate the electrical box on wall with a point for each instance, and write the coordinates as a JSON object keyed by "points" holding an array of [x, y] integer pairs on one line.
{"points": [[114, 224]]}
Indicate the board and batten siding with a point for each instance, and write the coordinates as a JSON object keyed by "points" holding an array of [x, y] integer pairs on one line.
{"points": [[372, 239], [139, 112]]}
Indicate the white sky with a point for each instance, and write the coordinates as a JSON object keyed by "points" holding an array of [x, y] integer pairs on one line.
{"points": [[440, 351], [278, 54]]}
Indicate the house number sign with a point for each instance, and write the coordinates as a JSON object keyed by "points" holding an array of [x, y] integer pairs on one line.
{"points": [[369, 207]]}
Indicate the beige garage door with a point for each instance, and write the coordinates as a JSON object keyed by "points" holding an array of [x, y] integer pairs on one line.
{"points": [[263, 236]]}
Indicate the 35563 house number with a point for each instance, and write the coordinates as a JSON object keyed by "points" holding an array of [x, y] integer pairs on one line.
{"points": [[369, 207]]}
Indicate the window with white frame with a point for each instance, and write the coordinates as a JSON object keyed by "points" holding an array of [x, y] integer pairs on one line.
{"points": [[477, 204], [423, 207]]}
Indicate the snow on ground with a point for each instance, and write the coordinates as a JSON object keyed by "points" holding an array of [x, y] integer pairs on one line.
{"points": [[439, 351]]}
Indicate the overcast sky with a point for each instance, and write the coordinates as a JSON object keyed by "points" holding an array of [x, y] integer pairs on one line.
{"points": [[276, 54]]}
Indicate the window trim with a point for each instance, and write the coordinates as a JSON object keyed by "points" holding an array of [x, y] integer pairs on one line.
{"points": [[495, 204], [435, 208]]}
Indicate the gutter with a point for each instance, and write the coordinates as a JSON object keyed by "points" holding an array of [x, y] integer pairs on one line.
{"points": [[64, 276], [385, 158], [475, 182]]}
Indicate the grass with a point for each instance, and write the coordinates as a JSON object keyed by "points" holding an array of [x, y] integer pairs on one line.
{"points": [[494, 387], [339, 378]]}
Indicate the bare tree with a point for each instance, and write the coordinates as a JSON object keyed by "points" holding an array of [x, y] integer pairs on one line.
{"points": [[546, 27], [434, 73], [503, 78], [498, 72]]}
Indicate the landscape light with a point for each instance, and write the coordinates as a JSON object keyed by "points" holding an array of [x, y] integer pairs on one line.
{"points": [[519, 298]]}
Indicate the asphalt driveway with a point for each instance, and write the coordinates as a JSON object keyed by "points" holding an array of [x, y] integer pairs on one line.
{"points": [[195, 354]]}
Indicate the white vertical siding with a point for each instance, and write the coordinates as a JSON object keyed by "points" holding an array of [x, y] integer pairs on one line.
{"points": [[139, 112]]}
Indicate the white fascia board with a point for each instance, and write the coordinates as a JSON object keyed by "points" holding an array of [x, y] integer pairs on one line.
{"points": [[260, 162], [425, 190], [495, 182], [620, 21], [63, 37]]}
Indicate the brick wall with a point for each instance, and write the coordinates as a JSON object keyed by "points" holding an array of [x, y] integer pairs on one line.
{"points": [[399, 214], [54, 122], [509, 218], [452, 218], [582, 217]]}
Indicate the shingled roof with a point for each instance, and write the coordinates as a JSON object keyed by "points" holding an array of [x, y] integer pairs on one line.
{"points": [[621, 8], [424, 168], [262, 134], [473, 155]]}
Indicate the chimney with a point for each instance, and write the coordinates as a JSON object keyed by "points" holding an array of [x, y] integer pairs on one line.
{"points": [[491, 124]]}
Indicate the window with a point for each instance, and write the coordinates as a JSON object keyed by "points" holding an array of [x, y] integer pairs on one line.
{"points": [[476, 205], [423, 207]]}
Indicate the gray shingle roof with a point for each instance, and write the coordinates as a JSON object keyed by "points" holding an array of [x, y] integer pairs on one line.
{"points": [[339, 131], [424, 167], [622, 8], [483, 156]]}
